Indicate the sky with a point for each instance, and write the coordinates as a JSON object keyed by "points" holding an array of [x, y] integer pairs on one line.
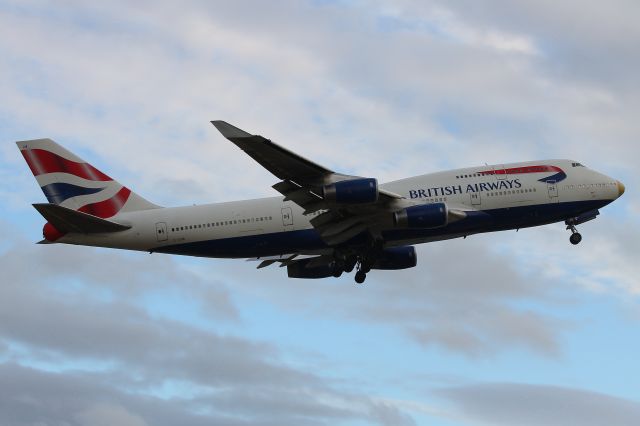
{"points": [[510, 328]]}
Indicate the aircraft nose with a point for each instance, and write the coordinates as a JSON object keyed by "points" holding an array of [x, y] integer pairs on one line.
{"points": [[620, 188]]}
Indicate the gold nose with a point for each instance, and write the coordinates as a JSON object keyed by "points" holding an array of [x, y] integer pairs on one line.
{"points": [[620, 188]]}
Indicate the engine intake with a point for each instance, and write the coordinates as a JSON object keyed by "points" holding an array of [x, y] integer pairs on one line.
{"points": [[393, 258], [356, 191], [422, 216]]}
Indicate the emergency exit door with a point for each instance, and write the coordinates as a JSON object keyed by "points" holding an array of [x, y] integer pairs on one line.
{"points": [[287, 216]]}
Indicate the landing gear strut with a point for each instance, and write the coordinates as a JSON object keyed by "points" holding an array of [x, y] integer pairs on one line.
{"points": [[575, 237], [361, 275], [350, 263]]}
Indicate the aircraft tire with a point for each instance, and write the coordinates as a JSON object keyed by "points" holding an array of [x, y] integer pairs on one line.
{"points": [[360, 277], [575, 238]]}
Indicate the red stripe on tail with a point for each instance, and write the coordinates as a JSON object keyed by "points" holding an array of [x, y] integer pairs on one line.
{"points": [[107, 208], [41, 162]]}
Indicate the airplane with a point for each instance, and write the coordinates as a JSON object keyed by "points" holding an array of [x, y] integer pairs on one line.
{"points": [[324, 223]]}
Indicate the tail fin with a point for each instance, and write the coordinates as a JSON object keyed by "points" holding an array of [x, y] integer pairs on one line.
{"points": [[71, 182]]}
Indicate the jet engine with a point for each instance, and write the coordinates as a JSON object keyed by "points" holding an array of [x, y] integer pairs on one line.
{"points": [[355, 191], [422, 216], [393, 258], [302, 269]]}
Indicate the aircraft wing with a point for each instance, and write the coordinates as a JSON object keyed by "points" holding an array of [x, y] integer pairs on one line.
{"points": [[283, 163], [302, 182]]}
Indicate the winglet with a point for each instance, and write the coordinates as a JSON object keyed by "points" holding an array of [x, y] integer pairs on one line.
{"points": [[229, 131]]}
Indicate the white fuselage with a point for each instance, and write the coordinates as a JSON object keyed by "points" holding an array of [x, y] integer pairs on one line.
{"points": [[271, 226]]}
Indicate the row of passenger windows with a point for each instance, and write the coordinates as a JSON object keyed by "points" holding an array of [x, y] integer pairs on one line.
{"points": [[511, 192], [469, 176], [589, 185], [222, 223]]}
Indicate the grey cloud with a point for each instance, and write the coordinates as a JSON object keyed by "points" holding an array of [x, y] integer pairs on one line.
{"points": [[129, 275], [30, 308], [30, 396], [108, 414], [582, 40], [47, 320], [389, 415], [526, 404]]}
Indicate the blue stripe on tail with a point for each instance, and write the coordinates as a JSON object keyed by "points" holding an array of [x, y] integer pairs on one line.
{"points": [[56, 193]]}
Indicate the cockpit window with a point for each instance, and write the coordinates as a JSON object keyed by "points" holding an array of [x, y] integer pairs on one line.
{"points": [[576, 165]]}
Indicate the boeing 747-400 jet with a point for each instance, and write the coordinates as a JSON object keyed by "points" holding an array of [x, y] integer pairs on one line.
{"points": [[324, 223]]}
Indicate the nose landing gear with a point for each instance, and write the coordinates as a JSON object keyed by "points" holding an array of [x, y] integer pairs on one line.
{"points": [[575, 237]]}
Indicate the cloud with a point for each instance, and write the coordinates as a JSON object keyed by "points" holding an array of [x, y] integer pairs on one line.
{"points": [[525, 404], [77, 320], [109, 414]]}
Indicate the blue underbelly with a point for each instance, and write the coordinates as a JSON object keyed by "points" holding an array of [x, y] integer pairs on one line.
{"points": [[309, 239]]}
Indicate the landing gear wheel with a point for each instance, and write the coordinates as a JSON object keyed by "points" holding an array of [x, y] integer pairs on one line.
{"points": [[337, 273], [360, 277], [575, 238]]}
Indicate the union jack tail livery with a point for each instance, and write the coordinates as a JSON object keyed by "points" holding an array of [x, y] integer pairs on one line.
{"points": [[70, 182], [81, 197]]}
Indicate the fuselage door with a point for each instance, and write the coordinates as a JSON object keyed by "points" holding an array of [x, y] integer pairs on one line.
{"points": [[161, 231], [287, 216], [475, 198], [552, 189]]}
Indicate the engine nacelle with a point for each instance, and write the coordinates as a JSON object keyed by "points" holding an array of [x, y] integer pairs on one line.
{"points": [[50, 233], [300, 269], [355, 191], [422, 216], [393, 258]]}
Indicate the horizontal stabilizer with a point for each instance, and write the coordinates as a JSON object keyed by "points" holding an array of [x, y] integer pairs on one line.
{"points": [[67, 220]]}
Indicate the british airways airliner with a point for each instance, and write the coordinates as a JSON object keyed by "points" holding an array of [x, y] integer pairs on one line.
{"points": [[325, 223]]}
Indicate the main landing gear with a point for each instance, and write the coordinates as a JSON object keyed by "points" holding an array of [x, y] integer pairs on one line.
{"points": [[348, 264], [575, 237], [361, 275]]}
